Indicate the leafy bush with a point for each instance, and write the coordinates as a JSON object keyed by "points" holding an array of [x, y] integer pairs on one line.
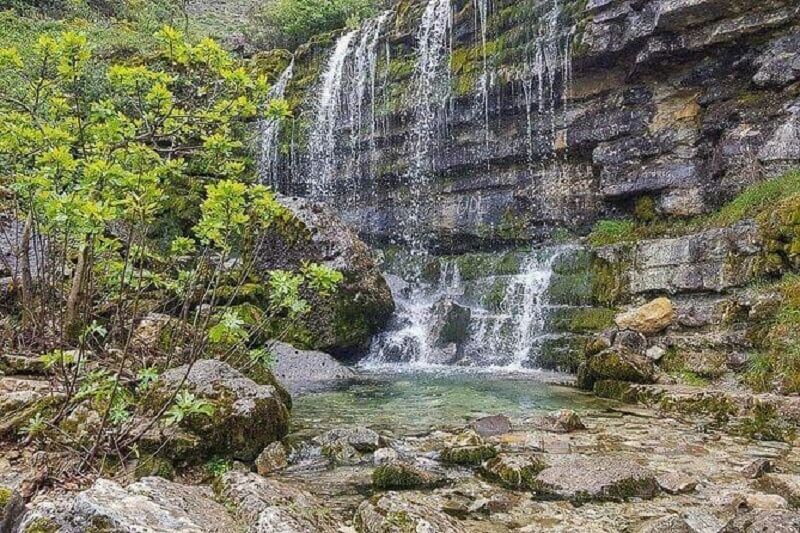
{"points": [[290, 23]]}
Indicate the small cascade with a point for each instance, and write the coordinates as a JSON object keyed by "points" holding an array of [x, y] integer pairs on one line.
{"points": [[346, 90], [482, 14], [269, 131], [497, 320]]}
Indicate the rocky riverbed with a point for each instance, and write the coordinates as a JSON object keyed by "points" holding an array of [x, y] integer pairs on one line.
{"points": [[600, 467]]}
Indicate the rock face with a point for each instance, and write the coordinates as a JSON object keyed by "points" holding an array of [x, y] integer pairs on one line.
{"points": [[303, 370], [649, 319], [363, 303], [679, 101], [246, 416], [152, 504]]}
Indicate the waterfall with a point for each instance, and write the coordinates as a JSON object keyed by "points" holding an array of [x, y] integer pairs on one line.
{"points": [[482, 13], [501, 328], [322, 141], [269, 131], [347, 81]]}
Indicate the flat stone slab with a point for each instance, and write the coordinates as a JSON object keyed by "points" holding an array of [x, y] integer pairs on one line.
{"points": [[596, 478]]}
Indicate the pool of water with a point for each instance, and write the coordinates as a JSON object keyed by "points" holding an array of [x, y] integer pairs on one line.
{"points": [[406, 403]]}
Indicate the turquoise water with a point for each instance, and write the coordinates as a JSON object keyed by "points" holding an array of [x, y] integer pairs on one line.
{"points": [[408, 403]]}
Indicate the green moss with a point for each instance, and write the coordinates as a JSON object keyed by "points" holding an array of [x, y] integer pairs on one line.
{"points": [[152, 465], [644, 209], [512, 475], [468, 455], [609, 282], [766, 423], [5, 496], [42, 525], [582, 319], [398, 476]]}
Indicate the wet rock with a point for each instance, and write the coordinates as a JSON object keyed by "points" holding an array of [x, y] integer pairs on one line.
{"points": [[303, 370], [452, 323], [400, 512], [665, 524], [757, 468], [468, 449], [676, 483], [772, 521], [596, 478], [271, 459], [268, 505], [362, 305], [785, 485], [361, 439], [563, 421], [516, 471], [246, 416], [649, 319], [152, 504], [491, 426], [398, 475]]}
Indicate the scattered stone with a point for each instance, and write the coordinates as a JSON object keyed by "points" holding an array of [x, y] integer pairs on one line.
{"points": [[361, 439], [655, 353], [765, 501], [649, 319], [665, 524], [468, 449], [491, 426], [563, 421], [786, 485], [401, 476], [268, 505], [676, 483], [384, 455], [272, 458], [515, 471], [396, 512], [341, 453], [757, 468], [768, 521], [246, 416], [596, 478]]}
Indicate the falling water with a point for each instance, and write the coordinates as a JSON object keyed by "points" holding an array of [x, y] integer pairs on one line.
{"points": [[322, 141], [502, 332], [270, 129], [483, 17]]}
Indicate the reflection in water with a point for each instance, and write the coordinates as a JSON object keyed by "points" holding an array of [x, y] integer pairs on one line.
{"points": [[411, 403]]}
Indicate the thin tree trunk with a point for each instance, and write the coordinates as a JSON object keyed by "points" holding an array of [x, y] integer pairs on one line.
{"points": [[76, 293], [26, 280]]}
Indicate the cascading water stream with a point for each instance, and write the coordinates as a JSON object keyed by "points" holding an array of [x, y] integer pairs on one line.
{"points": [[270, 129]]}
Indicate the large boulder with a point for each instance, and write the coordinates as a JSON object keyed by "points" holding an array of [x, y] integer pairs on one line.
{"points": [[596, 478], [621, 365], [246, 416], [395, 512], [303, 370], [344, 323], [648, 319], [152, 504], [268, 505]]}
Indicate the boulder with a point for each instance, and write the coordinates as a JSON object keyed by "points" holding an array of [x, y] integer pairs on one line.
{"points": [[304, 370], [596, 478], [362, 439], [771, 520], [491, 426], [151, 504], [563, 421], [271, 459], [516, 471], [396, 512], [785, 485], [468, 449], [451, 324], [621, 365], [648, 319], [246, 416], [268, 505], [343, 323], [397, 475], [676, 483]]}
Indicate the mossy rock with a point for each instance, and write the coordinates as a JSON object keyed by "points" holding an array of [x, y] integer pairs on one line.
{"points": [[468, 449], [513, 471], [403, 476], [153, 465], [581, 319]]}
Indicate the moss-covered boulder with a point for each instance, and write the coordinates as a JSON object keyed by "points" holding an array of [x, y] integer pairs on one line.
{"points": [[244, 418], [515, 471], [396, 512], [467, 449], [343, 323], [398, 475], [621, 365]]}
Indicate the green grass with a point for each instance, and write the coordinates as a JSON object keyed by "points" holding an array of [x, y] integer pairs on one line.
{"points": [[754, 201]]}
